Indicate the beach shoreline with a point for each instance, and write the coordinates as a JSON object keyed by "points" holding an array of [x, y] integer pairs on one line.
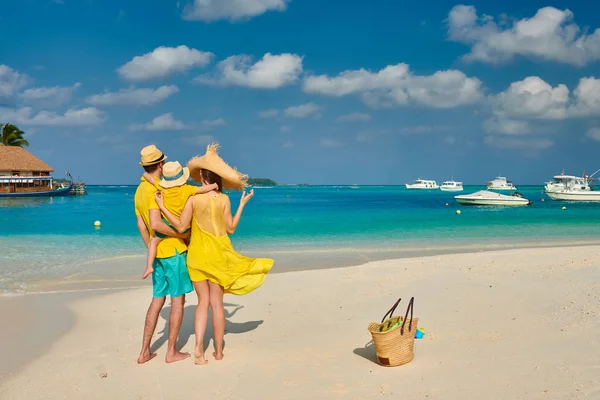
{"points": [[518, 323], [288, 260]]}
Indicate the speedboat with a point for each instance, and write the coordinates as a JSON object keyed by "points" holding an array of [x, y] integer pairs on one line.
{"points": [[487, 198], [422, 184], [451, 186], [500, 183]]}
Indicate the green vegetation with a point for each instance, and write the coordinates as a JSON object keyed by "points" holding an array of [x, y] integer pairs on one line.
{"points": [[261, 182], [10, 135]]}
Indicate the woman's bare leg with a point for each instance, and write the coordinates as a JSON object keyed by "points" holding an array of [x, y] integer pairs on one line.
{"points": [[218, 318], [200, 320]]}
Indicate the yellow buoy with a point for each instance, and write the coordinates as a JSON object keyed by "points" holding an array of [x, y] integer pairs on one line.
{"points": [[457, 212], [97, 224], [564, 208]]}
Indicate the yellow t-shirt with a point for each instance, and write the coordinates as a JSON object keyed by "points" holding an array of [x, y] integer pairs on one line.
{"points": [[176, 197], [144, 202]]}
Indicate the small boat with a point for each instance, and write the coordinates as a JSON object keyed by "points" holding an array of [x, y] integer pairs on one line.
{"points": [[487, 198], [451, 186], [422, 184], [501, 184]]}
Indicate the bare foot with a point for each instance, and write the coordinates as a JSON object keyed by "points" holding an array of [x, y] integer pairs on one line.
{"points": [[218, 356], [200, 360], [147, 272], [177, 356], [143, 358]]}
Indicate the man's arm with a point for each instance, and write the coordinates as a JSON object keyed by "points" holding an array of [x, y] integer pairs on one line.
{"points": [[143, 230], [158, 225]]}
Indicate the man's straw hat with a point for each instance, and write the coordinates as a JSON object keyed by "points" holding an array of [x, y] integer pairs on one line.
{"points": [[151, 155], [174, 175], [231, 178]]}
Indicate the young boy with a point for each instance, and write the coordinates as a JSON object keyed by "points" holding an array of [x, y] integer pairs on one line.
{"points": [[175, 193]]}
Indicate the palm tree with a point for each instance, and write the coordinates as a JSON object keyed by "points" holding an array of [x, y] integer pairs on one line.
{"points": [[10, 135]]}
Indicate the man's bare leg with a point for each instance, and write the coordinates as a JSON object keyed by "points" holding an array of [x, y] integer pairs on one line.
{"points": [[175, 319], [149, 327]]}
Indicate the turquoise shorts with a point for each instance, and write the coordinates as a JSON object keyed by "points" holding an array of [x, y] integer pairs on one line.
{"points": [[170, 276]]}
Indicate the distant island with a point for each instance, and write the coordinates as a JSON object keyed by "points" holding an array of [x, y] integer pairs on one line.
{"points": [[261, 182]]}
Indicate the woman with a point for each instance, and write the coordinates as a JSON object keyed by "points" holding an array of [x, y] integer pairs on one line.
{"points": [[214, 266]]}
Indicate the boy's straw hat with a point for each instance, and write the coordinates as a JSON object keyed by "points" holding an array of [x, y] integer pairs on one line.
{"points": [[231, 178], [174, 175], [151, 155]]}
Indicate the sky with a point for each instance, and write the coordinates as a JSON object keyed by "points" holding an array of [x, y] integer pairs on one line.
{"points": [[307, 91]]}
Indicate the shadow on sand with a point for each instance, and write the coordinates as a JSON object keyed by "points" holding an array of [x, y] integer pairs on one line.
{"points": [[187, 326], [367, 352]]}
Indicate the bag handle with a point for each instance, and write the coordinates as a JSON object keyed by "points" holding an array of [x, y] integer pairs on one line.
{"points": [[391, 311], [410, 307]]}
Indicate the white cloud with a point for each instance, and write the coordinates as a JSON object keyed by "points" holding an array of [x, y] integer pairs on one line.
{"points": [[270, 72], [272, 113], [302, 111], [422, 129], [57, 95], [395, 85], [164, 122], [164, 61], [506, 126], [594, 134], [331, 143], [72, 117], [133, 97], [11, 81], [550, 35], [285, 128], [199, 140], [533, 98], [212, 10], [354, 117], [213, 123], [504, 142]]}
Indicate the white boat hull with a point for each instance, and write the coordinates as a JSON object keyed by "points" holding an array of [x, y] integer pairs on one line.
{"points": [[575, 196], [422, 187], [448, 189], [486, 198]]}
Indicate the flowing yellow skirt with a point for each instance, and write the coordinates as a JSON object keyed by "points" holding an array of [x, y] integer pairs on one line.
{"points": [[213, 258]]}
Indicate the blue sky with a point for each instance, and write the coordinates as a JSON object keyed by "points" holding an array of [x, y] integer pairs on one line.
{"points": [[307, 91]]}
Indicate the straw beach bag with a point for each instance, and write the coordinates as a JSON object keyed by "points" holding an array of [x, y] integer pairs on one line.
{"points": [[394, 338]]}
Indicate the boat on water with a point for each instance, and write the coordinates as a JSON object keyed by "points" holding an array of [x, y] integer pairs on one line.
{"points": [[487, 198], [451, 186], [24, 175], [563, 182], [422, 184], [500, 183]]}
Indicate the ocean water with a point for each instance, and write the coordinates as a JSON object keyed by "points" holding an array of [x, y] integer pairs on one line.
{"points": [[50, 239]]}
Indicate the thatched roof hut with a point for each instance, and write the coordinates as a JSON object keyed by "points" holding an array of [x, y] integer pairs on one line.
{"points": [[14, 158]]}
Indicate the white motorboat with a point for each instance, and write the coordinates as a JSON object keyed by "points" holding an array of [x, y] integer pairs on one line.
{"points": [[500, 183], [422, 184], [487, 198], [451, 186], [564, 182]]}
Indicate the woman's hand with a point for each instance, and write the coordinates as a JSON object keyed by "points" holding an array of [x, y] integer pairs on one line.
{"points": [[246, 197], [159, 199]]}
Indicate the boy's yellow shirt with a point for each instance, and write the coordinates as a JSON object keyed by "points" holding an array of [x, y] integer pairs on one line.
{"points": [[176, 197], [144, 202]]}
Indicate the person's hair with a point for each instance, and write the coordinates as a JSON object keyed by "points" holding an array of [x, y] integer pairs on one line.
{"points": [[151, 168], [210, 177]]}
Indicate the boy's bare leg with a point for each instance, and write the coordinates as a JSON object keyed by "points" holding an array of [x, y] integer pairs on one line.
{"points": [[154, 241], [149, 327], [175, 319]]}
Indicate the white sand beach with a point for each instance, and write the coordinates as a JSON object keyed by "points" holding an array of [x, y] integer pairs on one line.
{"points": [[514, 324]]}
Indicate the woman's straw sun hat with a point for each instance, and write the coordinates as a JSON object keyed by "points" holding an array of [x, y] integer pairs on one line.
{"points": [[211, 161], [151, 155], [174, 175]]}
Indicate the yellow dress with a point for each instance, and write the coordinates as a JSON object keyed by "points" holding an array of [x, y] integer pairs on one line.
{"points": [[211, 255]]}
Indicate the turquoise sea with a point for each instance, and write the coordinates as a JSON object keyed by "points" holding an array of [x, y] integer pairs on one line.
{"points": [[54, 239]]}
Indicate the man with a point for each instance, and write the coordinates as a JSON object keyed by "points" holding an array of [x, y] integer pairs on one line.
{"points": [[170, 276]]}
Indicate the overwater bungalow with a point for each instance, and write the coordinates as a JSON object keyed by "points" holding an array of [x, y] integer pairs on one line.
{"points": [[24, 175]]}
